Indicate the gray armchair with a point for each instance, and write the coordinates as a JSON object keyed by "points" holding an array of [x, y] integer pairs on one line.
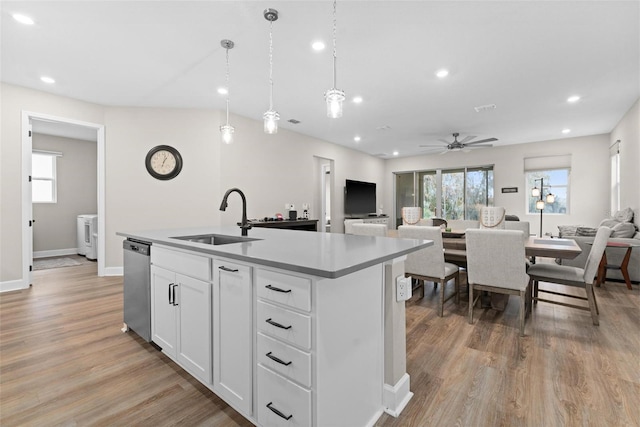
{"points": [[573, 276], [495, 263], [428, 264]]}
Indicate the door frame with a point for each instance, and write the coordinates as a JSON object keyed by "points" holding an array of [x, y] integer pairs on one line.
{"points": [[27, 208]]}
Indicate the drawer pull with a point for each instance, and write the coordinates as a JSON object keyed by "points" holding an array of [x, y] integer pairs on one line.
{"points": [[276, 324], [276, 359], [273, 288], [278, 413], [231, 270]]}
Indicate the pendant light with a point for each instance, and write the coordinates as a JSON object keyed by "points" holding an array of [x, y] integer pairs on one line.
{"points": [[227, 130], [271, 117], [333, 96]]}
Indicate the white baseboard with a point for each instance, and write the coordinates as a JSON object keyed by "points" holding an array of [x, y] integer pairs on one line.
{"points": [[13, 285], [398, 396], [113, 271], [55, 252]]}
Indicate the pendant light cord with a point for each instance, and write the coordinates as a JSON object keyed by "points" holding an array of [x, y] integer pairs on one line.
{"points": [[334, 45], [227, 79], [270, 65]]}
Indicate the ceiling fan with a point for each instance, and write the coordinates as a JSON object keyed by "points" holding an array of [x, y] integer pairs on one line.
{"points": [[462, 144]]}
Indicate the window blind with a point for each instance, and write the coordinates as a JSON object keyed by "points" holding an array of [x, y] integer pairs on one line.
{"points": [[562, 161]]}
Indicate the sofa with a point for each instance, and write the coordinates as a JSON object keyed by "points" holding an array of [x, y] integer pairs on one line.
{"points": [[623, 231]]}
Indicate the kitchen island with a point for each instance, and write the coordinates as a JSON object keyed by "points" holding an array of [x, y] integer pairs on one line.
{"points": [[288, 327]]}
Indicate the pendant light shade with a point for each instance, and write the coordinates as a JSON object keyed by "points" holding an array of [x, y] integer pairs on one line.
{"points": [[551, 198], [271, 117], [226, 130], [535, 192], [334, 97]]}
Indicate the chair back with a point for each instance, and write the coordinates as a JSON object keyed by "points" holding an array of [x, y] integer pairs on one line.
{"points": [[492, 217], [428, 261], [369, 229], [519, 225], [496, 258], [595, 254], [348, 223], [411, 215]]}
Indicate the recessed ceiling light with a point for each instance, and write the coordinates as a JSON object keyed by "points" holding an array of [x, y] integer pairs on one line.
{"points": [[23, 19], [47, 79], [317, 46], [357, 99], [223, 90], [574, 98], [395, 153], [356, 138], [565, 131], [442, 73]]}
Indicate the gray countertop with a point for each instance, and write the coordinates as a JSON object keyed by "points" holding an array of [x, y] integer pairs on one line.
{"points": [[320, 254]]}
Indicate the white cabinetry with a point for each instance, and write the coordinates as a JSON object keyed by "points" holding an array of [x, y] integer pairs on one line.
{"points": [[181, 310], [376, 220], [319, 359], [233, 334]]}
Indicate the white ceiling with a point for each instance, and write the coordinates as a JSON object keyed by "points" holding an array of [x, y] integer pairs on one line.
{"points": [[526, 57]]}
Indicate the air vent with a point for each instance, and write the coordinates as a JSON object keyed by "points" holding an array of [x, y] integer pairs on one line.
{"points": [[483, 108], [381, 155], [385, 127], [294, 121]]}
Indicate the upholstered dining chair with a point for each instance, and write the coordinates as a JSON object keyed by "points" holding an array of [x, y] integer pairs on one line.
{"points": [[495, 264], [573, 276], [411, 215], [428, 264], [348, 225], [366, 229], [492, 217]]}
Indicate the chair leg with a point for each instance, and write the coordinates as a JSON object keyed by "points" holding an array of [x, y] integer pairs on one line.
{"points": [[595, 301], [441, 303], [470, 286], [522, 310], [592, 307], [458, 288], [422, 287], [535, 291]]}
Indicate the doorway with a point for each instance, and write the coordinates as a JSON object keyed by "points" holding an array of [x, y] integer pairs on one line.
{"points": [[324, 192], [59, 126]]}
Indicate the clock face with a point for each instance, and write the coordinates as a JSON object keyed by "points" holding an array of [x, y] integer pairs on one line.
{"points": [[163, 162]]}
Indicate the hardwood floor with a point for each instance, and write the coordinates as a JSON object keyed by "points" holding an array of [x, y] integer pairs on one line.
{"points": [[64, 361]]}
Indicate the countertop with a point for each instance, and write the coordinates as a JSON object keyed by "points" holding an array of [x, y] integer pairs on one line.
{"points": [[328, 255]]}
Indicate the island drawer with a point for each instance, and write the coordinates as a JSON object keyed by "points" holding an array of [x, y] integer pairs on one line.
{"points": [[284, 359], [195, 266], [294, 328], [276, 393], [285, 289]]}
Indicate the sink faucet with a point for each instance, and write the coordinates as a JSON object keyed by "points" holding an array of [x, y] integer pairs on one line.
{"points": [[223, 207]]}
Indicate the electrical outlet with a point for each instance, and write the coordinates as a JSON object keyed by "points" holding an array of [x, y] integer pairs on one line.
{"points": [[403, 288], [292, 207]]}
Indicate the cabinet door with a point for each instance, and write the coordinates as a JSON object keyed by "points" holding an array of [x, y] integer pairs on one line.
{"points": [[193, 300], [232, 336], [163, 312]]}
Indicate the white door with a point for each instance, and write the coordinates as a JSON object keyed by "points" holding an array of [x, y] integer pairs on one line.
{"points": [[163, 310], [233, 336], [30, 213], [193, 299]]}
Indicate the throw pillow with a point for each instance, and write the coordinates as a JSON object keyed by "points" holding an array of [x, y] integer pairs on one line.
{"points": [[624, 215], [567, 230], [623, 230], [586, 231], [609, 223]]}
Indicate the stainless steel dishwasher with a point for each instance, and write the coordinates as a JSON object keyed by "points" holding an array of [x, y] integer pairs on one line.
{"points": [[137, 287]]}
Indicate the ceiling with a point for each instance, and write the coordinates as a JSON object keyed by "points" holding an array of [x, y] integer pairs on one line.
{"points": [[525, 57]]}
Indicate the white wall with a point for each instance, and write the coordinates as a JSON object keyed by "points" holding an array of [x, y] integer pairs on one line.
{"points": [[589, 198], [628, 132]]}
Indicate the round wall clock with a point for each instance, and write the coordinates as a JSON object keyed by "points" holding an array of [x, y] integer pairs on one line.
{"points": [[163, 162]]}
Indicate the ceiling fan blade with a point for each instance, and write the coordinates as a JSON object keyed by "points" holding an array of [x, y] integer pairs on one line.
{"points": [[481, 141], [431, 145], [478, 146], [445, 141], [444, 152], [467, 138]]}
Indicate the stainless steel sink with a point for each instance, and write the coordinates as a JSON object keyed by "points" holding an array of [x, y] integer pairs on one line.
{"points": [[215, 239]]}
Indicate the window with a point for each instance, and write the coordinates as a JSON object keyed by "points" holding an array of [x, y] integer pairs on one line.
{"points": [[43, 177], [556, 182], [446, 193], [614, 152]]}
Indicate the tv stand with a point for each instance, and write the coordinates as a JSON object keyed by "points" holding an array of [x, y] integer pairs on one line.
{"points": [[371, 219]]}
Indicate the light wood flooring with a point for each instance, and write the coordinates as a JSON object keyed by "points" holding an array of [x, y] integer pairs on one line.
{"points": [[65, 362]]}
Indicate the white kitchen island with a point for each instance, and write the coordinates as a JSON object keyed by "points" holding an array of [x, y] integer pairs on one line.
{"points": [[293, 328]]}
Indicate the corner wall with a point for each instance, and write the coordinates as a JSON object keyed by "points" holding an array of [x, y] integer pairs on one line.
{"points": [[628, 132]]}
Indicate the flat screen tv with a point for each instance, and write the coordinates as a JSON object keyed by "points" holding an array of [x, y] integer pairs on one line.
{"points": [[359, 197]]}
